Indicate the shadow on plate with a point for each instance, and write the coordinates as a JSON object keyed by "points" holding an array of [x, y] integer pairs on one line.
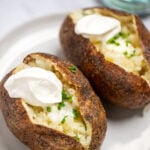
{"points": [[114, 112]]}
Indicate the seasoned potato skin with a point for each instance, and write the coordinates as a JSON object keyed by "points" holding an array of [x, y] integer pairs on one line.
{"points": [[110, 81], [38, 137]]}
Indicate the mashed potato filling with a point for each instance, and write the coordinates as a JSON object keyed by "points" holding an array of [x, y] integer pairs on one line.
{"points": [[123, 49], [64, 116]]}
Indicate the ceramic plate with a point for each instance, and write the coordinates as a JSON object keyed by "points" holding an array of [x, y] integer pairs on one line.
{"points": [[126, 128]]}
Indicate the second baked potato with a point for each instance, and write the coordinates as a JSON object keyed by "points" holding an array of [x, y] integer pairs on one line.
{"points": [[118, 68]]}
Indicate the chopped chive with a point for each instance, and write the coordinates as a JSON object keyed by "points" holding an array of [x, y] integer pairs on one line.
{"points": [[117, 44], [123, 35], [61, 105], [75, 113], [127, 43], [113, 41], [65, 96], [69, 98], [76, 138], [116, 36], [133, 53], [125, 53], [129, 55], [73, 69], [63, 120], [49, 109]]}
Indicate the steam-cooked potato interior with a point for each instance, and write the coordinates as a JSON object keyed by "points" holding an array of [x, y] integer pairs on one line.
{"points": [[124, 49], [65, 116]]}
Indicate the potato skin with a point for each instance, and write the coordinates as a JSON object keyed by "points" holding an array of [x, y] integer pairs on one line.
{"points": [[110, 81], [38, 137]]}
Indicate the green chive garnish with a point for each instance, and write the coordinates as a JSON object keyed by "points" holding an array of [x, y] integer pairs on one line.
{"points": [[123, 35], [73, 69], [63, 120], [133, 53], [65, 96], [127, 43], [129, 55], [75, 113], [117, 44], [61, 105], [113, 41], [76, 138], [48, 109], [125, 53]]}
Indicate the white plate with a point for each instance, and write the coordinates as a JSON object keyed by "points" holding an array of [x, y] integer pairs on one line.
{"points": [[41, 35]]}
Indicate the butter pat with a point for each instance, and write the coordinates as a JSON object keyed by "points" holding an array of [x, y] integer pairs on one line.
{"points": [[102, 27], [38, 87]]}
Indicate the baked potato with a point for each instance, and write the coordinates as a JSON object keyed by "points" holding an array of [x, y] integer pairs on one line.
{"points": [[83, 128], [122, 77]]}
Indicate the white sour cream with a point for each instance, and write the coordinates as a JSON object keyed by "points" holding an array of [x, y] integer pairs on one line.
{"points": [[102, 27], [36, 86]]}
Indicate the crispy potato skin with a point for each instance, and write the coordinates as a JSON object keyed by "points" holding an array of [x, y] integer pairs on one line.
{"points": [[38, 137], [110, 81]]}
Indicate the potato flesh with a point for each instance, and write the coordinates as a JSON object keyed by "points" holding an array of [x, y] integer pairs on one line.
{"points": [[78, 128], [131, 58]]}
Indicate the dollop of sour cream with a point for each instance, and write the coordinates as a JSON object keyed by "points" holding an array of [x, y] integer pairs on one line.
{"points": [[102, 27], [36, 86]]}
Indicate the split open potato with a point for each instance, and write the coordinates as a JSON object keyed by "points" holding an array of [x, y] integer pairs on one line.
{"points": [[120, 77], [83, 128]]}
